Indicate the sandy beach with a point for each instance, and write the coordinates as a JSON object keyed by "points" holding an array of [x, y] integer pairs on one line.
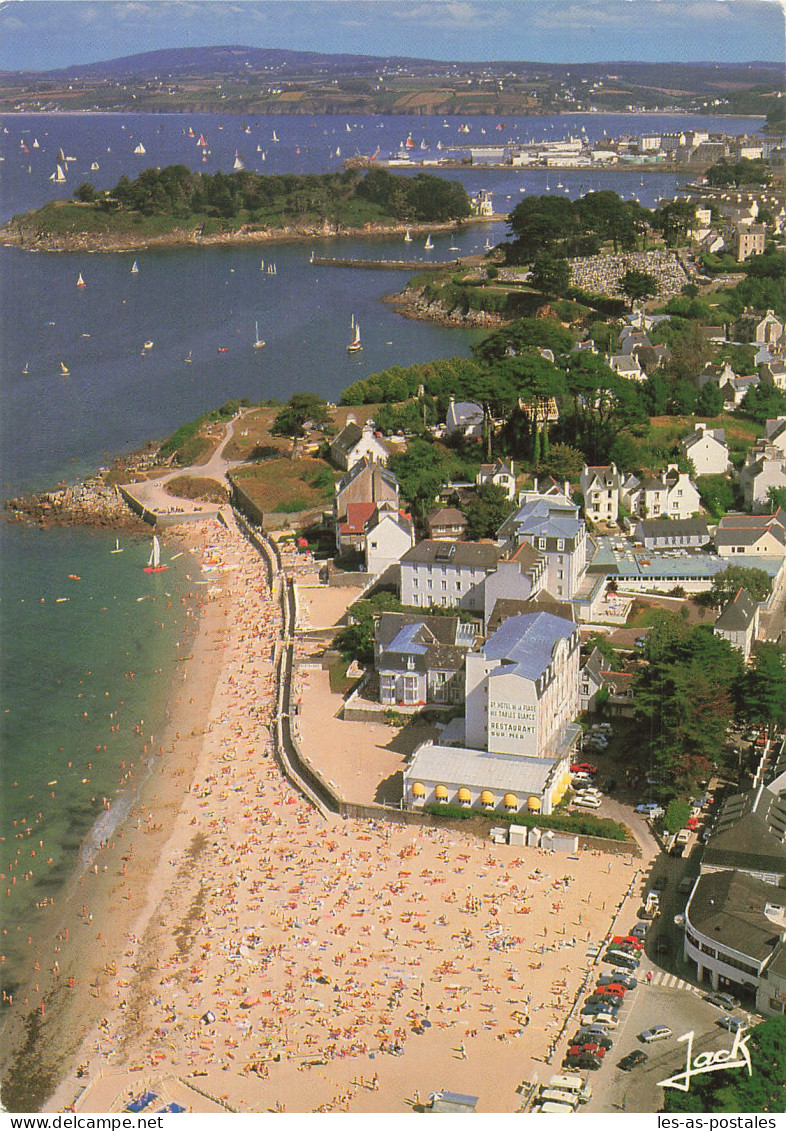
{"points": [[238, 952]]}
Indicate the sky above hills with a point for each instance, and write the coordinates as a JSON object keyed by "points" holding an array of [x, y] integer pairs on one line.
{"points": [[42, 34]]}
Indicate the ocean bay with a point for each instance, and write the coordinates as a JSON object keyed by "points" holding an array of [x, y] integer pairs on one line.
{"points": [[187, 302]]}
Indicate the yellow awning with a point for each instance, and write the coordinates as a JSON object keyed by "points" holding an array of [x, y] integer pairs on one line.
{"points": [[418, 789], [441, 793], [510, 801], [486, 797], [533, 804], [464, 794]]}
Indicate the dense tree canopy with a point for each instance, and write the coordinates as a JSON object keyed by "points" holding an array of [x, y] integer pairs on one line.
{"points": [[685, 696], [177, 191], [726, 174], [735, 1091], [557, 226], [763, 692], [726, 585], [300, 408]]}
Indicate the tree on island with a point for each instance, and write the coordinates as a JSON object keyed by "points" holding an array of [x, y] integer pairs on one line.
{"points": [[300, 408]]}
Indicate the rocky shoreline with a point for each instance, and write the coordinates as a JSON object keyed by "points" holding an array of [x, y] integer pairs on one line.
{"points": [[413, 303], [96, 502], [21, 233]]}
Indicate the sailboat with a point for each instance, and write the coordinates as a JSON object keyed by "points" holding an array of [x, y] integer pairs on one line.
{"points": [[354, 342], [140, 150], [135, 268], [429, 243], [275, 136], [238, 163], [58, 176], [65, 371], [408, 236], [188, 358], [261, 265], [61, 155], [154, 561], [94, 166], [118, 548], [35, 143], [80, 281], [26, 369], [258, 342], [202, 141]]}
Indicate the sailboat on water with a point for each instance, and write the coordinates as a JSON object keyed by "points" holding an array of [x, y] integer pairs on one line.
{"points": [[258, 342], [408, 236], [238, 163], [140, 150], [80, 281], [58, 176], [135, 268], [94, 166], [354, 342], [64, 370], [26, 369], [154, 561], [429, 243], [118, 548]]}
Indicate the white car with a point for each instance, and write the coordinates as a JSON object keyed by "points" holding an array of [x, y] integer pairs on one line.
{"points": [[587, 802], [656, 1033]]}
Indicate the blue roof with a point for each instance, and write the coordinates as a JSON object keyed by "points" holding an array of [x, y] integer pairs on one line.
{"points": [[527, 642], [546, 518], [405, 641]]}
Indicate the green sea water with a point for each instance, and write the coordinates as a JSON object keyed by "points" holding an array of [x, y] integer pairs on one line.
{"points": [[87, 669]]}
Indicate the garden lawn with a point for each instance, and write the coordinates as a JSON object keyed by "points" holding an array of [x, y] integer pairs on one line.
{"points": [[287, 485]]}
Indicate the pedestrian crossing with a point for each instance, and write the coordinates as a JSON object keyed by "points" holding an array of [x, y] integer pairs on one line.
{"points": [[671, 982]]}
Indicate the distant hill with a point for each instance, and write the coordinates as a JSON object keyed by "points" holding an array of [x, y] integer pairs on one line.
{"points": [[262, 80]]}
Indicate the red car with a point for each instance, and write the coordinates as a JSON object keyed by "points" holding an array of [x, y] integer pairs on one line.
{"points": [[692, 823], [583, 768], [613, 990], [627, 940]]}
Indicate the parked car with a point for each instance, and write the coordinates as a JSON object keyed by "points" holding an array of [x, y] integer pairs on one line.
{"points": [[723, 1001], [627, 941], [618, 977], [638, 1056], [583, 768], [640, 930], [692, 824], [733, 1024], [663, 945], [590, 1033], [621, 958], [686, 884], [656, 1033], [646, 806], [612, 990], [587, 802], [600, 1003]]}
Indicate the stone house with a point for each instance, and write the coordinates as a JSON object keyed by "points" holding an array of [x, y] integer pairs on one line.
{"points": [[447, 524], [365, 482], [750, 241], [420, 659]]}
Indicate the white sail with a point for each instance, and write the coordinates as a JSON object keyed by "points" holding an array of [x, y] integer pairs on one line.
{"points": [[58, 176], [80, 281], [94, 166], [135, 268], [429, 243], [258, 342], [140, 150], [35, 143], [155, 554]]}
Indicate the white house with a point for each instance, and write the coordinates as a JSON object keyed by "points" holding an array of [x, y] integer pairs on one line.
{"points": [[389, 533], [627, 365], [751, 535], [551, 524], [522, 687], [769, 331], [775, 433], [765, 468], [739, 622], [500, 474], [600, 487], [449, 574], [706, 448], [354, 443], [465, 418], [669, 495]]}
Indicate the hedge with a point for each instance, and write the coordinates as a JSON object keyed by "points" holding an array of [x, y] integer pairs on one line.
{"points": [[584, 824]]}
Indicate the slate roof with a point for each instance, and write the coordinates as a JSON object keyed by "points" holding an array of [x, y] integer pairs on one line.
{"points": [[365, 464], [543, 518], [462, 413], [738, 614], [525, 644], [750, 833], [746, 529], [390, 625], [713, 433], [658, 527], [447, 516], [473, 555], [505, 607], [349, 435], [729, 908]]}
